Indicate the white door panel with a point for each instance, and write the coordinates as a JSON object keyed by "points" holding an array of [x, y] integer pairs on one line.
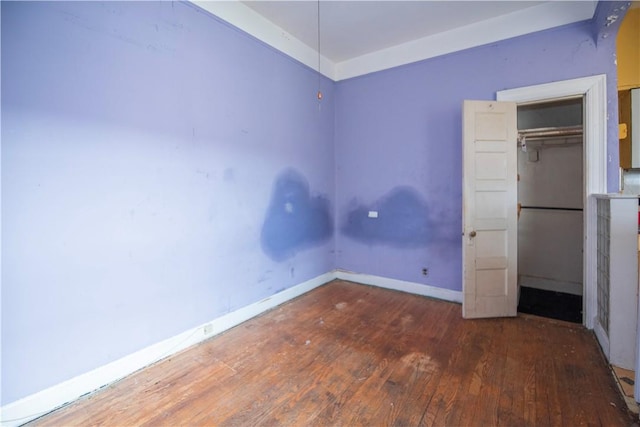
{"points": [[489, 209], [491, 204], [490, 125]]}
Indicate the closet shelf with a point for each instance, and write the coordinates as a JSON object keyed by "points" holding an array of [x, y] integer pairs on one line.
{"points": [[550, 132], [540, 138]]}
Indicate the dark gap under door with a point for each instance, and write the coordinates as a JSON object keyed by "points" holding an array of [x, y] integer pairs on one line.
{"points": [[555, 305]]}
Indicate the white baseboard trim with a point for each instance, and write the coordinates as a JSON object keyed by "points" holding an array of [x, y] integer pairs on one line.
{"points": [[602, 336], [38, 404], [401, 285], [550, 285]]}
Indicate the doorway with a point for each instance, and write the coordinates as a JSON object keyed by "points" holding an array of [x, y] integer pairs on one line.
{"points": [[594, 92], [550, 208]]}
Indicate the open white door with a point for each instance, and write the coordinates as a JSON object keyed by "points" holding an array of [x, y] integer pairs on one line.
{"points": [[490, 230]]}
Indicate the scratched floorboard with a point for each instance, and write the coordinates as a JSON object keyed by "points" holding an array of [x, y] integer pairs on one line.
{"points": [[347, 354]]}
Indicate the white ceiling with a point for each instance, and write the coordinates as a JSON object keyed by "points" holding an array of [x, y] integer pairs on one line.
{"points": [[357, 37], [349, 29]]}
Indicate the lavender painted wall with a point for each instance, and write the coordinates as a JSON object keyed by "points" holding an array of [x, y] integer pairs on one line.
{"points": [[142, 144], [151, 156], [401, 129]]}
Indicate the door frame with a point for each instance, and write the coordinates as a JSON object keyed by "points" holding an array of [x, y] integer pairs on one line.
{"points": [[594, 91]]}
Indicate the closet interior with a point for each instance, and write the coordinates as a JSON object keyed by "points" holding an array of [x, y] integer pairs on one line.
{"points": [[550, 209]]}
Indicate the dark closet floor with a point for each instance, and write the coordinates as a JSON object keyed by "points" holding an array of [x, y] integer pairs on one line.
{"points": [[554, 305]]}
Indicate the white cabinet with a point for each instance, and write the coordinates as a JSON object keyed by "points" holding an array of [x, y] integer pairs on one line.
{"points": [[617, 279]]}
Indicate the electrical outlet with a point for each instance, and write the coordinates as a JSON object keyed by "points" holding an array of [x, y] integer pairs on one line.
{"points": [[208, 329], [425, 271]]}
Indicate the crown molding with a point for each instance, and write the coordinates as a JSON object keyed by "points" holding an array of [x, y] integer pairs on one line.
{"points": [[254, 24], [537, 18]]}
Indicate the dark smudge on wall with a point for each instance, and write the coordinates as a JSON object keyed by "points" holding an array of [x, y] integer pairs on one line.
{"points": [[403, 220], [295, 220]]}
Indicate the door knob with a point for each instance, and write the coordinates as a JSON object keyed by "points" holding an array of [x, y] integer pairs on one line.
{"points": [[472, 234]]}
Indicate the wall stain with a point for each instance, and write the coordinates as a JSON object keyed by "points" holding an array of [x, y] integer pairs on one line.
{"points": [[294, 220], [403, 221], [229, 175]]}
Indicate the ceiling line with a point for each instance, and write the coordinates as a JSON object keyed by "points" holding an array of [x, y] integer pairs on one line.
{"points": [[536, 18]]}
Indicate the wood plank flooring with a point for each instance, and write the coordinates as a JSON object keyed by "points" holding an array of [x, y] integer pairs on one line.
{"points": [[347, 354]]}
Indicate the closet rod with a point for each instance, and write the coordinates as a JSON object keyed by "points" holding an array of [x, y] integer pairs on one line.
{"points": [[551, 209], [553, 131]]}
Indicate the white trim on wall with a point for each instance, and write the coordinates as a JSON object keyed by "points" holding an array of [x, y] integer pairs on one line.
{"points": [[594, 90], [550, 284], [38, 404], [251, 22], [537, 18], [45, 401], [401, 285]]}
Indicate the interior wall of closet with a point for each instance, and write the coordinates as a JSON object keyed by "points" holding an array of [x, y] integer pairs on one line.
{"points": [[550, 196]]}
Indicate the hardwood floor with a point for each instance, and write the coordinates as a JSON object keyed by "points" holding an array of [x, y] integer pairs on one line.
{"points": [[347, 354]]}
